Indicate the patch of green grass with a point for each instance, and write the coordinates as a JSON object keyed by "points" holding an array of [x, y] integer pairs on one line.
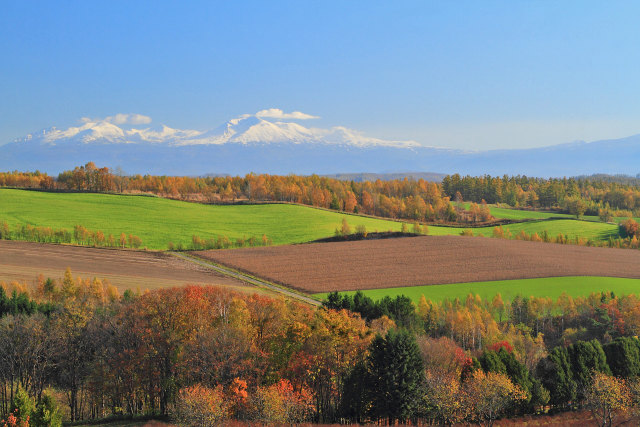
{"points": [[159, 221], [518, 214], [510, 213], [569, 227], [551, 287]]}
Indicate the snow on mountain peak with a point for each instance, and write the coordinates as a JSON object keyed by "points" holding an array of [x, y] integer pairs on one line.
{"points": [[244, 129]]}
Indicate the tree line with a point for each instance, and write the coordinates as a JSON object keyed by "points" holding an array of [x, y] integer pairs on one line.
{"points": [[203, 355], [627, 237], [595, 195], [221, 242], [80, 236]]}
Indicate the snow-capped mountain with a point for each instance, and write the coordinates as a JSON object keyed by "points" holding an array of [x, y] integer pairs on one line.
{"points": [[272, 141], [246, 129]]}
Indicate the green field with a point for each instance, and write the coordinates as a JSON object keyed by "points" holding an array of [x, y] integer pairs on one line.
{"points": [[570, 227], [159, 221], [510, 213], [518, 214], [547, 287]]}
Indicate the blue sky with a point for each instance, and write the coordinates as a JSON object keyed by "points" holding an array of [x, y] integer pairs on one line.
{"points": [[468, 74]]}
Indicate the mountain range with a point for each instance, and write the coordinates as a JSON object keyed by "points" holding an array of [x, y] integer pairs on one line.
{"points": [[265, 143]]}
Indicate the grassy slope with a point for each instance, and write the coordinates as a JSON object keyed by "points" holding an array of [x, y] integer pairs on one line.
{"points": [[589, 227], [570, 227], [510, 213], [547, 287], [158, 221]]}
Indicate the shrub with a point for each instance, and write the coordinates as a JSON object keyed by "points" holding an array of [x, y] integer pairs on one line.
{"points": [[629, 228], [22, 408], [361, 230], [280, 404], [201, 406], [47, 412]]}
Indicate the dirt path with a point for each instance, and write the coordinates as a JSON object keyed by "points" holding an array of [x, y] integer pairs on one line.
{"points": [[248, 279]]}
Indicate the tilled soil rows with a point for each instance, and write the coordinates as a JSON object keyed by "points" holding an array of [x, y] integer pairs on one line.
{"points": [[23, 261], [425, 260]]}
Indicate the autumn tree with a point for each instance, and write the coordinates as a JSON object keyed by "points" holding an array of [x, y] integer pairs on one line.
{"points": [[629, 228], [490, 395], [575, 206], [281, 404], [607, 397], [201, 406], [445, 398]]}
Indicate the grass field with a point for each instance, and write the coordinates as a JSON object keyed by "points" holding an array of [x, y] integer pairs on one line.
{"points": [[158, 221], [510, 213], [570, 227], [551, 287]]}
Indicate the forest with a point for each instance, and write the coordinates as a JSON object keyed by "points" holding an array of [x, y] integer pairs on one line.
{"points": [[75, 349], [596, 195]]}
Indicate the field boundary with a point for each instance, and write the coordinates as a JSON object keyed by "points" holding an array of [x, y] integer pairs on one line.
{"points": [[247, 278]]}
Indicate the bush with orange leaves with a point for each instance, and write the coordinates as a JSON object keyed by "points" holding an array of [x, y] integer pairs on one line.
{"points": [[201, 406], [280, 404]]}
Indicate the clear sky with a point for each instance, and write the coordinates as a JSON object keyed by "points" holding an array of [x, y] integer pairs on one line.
{"points": [[464, 74]]}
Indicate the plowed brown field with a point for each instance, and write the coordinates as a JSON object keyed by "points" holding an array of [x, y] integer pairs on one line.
{"points": [[427, 260], [23, 261]]}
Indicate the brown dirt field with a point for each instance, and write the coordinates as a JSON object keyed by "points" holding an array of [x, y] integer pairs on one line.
{"points": [[23, 261], [426, 260]]}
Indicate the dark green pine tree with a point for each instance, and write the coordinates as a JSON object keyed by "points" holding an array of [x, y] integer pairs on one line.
{"points": [[355, 393], [557, 376], [396, 376], [623, 357], [586, 357]]}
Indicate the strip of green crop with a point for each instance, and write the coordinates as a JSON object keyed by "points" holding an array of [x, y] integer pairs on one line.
{"points": [[551, 287]]}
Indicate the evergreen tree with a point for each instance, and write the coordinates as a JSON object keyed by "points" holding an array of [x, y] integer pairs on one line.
{"points": [[23, 406], [556, 375], [623, 357], [396, 375], [586, 357], [354, 403], [47, 413]]}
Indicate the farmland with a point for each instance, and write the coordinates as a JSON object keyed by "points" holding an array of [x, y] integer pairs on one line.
{"points": [[551, 287], [425, 260], [159, 221], [23, 261]]}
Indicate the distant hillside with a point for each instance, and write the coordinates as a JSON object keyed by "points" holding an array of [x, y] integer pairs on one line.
{"points": [[363, 177], [619, 179]]}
